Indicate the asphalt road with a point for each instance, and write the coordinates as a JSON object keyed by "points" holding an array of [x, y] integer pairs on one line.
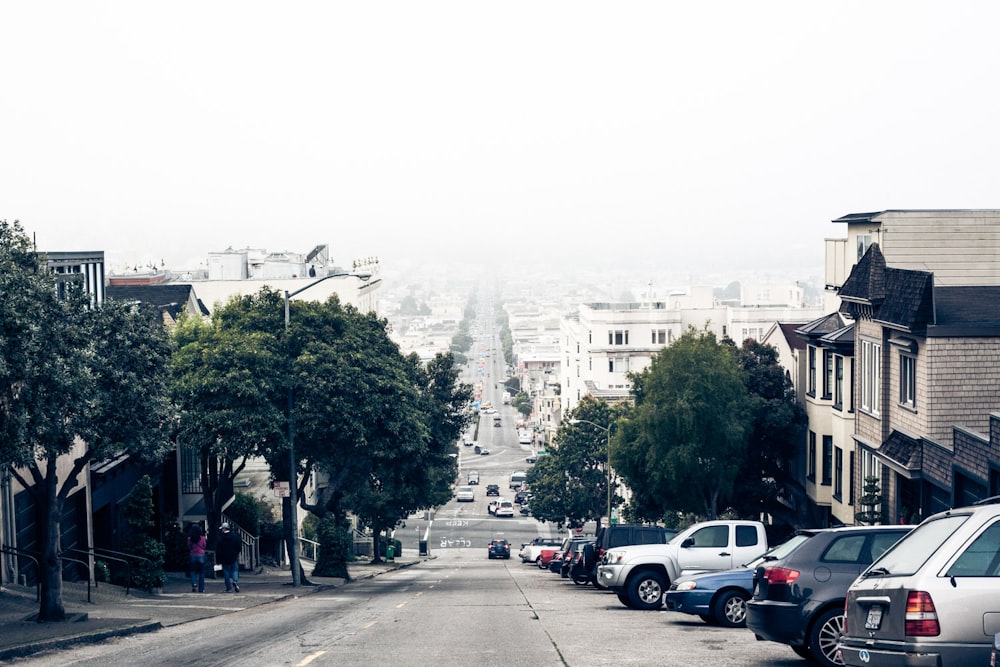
{"points": [[457, 609]]}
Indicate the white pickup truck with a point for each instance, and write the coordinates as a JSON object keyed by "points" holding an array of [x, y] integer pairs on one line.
{"points": [[641, 574]]}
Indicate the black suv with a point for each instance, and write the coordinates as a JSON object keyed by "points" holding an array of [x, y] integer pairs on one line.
{"points": [[799, 599], [499, 548], [493, 489], [624, 535]]}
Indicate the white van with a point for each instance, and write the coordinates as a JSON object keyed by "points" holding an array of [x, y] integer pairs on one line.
{"points": [[517, 479]]}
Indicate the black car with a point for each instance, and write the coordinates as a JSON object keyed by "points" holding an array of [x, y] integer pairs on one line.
{"points": [[521, 497], [799, 599], [498, 548], [493, 489]]}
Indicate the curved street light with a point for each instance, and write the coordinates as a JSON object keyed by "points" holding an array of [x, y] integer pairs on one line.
{"points": [[293, 482], [607, 454]]}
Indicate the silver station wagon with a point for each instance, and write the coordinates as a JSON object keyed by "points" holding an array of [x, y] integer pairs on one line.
{"points": [[933, 598]]}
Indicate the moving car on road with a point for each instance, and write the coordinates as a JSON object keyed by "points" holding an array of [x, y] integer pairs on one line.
{"points": [[504, 509], [498, 548], [465, 494]]}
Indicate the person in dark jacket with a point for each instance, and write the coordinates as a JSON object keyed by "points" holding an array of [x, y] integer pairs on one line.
{"points": [[227, 553]]}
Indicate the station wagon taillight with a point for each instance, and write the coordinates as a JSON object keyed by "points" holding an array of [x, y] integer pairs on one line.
{"points": [[777, 576], [921, 616]]}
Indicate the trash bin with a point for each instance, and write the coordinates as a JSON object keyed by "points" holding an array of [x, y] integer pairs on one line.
{"points": [[390, 551], [423, 547]]}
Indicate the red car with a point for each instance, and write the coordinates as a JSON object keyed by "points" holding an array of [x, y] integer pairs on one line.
{"points": [[545, 557]]}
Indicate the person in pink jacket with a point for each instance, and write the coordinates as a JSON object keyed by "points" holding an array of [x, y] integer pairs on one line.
{"points": [[196, 553]]}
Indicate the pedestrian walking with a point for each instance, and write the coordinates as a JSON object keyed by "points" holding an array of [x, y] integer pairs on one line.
{"points": [[227, 553], [196, 558]]}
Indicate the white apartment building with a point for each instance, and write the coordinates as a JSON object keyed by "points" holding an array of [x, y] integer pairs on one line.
{"points": [[603, 342]]}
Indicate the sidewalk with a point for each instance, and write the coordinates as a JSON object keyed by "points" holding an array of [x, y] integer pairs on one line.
{"points": [[111, 613]]}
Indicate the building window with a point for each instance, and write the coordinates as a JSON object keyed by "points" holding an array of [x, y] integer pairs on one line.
{"points": [[827, 374], [659, 337], [827, 460], [864, 242], [871, 377], [850, 477], [618, 364], [618, 337], [907, 380], [838, 473], [811, 458], [590, 337], [812, 371], [190, 470], [838, 382]]}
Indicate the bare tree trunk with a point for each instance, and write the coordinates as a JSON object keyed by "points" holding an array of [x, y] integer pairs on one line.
{"points": [[50, 566]]}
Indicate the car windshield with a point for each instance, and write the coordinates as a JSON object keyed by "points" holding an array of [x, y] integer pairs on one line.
{"points": [[910, 553], [780, 551]]}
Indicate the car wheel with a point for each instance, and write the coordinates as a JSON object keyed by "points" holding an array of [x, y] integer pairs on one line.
{"points": [[540, 564], [705, 617], [581, 579], [824, 636], [645, 590], [623, 598], [730, 609]]}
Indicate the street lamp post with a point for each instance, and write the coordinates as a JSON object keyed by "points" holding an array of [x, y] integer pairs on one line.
{"points": [[293, 490], [607, 454]]}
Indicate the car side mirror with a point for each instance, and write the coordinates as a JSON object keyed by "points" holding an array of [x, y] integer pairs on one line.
{"points": [[689, 542]]}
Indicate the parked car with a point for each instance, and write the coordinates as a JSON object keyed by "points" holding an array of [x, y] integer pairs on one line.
{"points": [[473, 477], [521, 497], [799, 599], [530, 458], [525, 510], [493, 490], [933, 597], [562, 557], [720, 597], [582, 569], [498, 548], [531, 551], [483, 451], [504, 509], [465, 494]]}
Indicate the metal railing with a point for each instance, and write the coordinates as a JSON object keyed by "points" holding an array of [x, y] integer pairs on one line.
{"points": [[94, 554], [14, 551], [308, 549], [250, 552]]}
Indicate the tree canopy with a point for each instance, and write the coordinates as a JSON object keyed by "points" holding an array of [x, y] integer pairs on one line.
{"points": [[77, 380], [686, 436]]}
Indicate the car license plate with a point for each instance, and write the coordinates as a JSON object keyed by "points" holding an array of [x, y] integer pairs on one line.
{"points": [[874, 619]]}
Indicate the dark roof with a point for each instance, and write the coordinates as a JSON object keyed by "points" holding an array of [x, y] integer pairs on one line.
{"points": [[172, 299], [903, 450], [866, 284], [842, 339], [858, 217], [967, 306], [908, 300], [821, 326], [789, 331]]}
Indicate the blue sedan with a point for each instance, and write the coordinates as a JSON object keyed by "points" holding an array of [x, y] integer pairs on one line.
{"points": [[720, 597]]}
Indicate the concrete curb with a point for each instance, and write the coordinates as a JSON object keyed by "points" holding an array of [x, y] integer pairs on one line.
{"points": [[28, 648]]}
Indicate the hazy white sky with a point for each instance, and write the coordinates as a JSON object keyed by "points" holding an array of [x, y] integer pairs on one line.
{"points": [[687, 135]]}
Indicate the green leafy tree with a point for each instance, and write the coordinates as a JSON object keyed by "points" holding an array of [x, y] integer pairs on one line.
{"points": [[226, 381], [686, 438], [141, 539], [571, 483], [777, 425], [522, 403], [79, 383]]}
